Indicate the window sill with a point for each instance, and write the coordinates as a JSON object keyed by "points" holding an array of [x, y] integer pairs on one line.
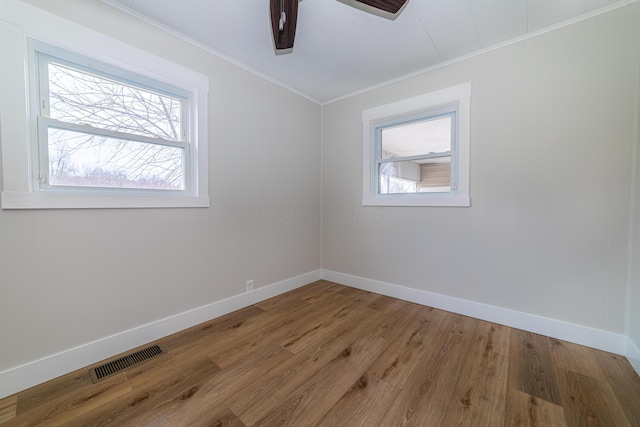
{"points": [[42, 200], [440, 200]]}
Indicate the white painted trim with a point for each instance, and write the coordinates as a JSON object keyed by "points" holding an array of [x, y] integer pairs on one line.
{"points": [[60, 200], [579, 334], [417, 199], [425, 101], [36, 372], [633, 355], [431, 103]]}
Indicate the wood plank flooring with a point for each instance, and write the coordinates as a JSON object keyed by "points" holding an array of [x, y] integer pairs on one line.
{"points": [[329, 355]]}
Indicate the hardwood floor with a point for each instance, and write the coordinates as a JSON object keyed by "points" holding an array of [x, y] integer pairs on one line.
{"points": [[330, 355]]}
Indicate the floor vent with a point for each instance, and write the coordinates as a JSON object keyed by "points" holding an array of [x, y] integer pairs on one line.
{"points": [[118, 365]]}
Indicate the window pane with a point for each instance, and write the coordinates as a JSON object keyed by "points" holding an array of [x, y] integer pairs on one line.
{"points": [[82, 98], [435, 176], [417, 138], [399, 177], [86, 160], [393, 185], [418, 176]]}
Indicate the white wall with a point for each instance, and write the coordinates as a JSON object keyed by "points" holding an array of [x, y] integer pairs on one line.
{"points": [[552, 133], [69, 277], [633, 350]]}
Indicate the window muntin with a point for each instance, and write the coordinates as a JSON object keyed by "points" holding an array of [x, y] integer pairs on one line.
{"points": [[416, 150], [108, 131], [406, 152]]}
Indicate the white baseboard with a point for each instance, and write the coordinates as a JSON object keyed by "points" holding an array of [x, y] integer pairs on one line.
{"points": [[584, 335], [36, 372], [633, 355]]}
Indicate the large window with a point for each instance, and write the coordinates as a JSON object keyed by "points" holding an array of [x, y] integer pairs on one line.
{"points": [[416, 151], [108, 131], [96, 123]]}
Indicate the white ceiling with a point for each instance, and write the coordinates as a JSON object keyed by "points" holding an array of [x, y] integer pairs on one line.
{"points": [[341, 50]]}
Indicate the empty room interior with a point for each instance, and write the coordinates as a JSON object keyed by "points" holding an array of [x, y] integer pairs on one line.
{"points": [[285, 221]]}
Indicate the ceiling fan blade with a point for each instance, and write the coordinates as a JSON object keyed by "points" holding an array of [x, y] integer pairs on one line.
{"points": [[391, 6], [284, 15]]}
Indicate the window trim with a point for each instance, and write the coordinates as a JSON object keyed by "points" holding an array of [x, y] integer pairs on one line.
{"points": [[20, 189], [404, 110]]}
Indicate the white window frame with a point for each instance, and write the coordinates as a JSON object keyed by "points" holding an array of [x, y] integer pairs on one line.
{"points": [[455, 98], [18, 133], [42, 55]]}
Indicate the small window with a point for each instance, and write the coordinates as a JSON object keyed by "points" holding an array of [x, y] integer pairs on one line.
{"points": [[416, 156], [416, 151], [101, 131]]}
